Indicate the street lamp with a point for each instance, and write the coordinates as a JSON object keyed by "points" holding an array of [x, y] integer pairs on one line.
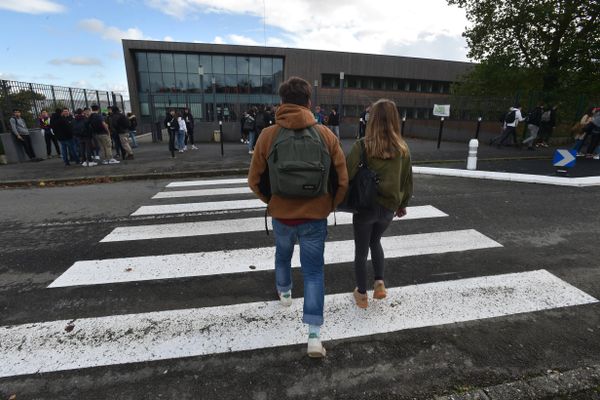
{"points": [[201, 73], [341, 95], [214, 93], [315, 97]]}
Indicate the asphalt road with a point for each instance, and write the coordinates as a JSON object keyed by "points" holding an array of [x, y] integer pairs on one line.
{"points": [[45, 231]]}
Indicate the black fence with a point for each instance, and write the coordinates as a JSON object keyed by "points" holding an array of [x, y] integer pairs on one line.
{"points": [[32, 98]]}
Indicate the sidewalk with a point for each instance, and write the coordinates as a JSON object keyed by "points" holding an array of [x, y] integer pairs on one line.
{"points": [[153, 161]]}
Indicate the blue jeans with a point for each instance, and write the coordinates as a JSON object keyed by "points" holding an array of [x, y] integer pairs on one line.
{"points": [[67, 148], [132, 137], [180, 139], [311, 236], [251, 140]]}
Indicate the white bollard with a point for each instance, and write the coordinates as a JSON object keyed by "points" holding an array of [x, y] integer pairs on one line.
{"points": [[472, 158]]}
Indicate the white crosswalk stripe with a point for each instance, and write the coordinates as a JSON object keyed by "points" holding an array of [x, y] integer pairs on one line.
{"points": [[200, 207], [46, 347], [161, 335], [95, 272], [215, 227]]}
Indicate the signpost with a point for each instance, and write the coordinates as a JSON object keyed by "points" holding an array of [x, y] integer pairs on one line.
{"points": [[441, 110], [563, 160]]}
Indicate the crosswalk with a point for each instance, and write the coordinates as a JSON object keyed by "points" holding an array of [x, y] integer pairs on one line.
{"points": [[171, 334]]}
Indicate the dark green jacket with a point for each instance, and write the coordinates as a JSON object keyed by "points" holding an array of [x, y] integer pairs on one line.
{"points": [[395, 177]]}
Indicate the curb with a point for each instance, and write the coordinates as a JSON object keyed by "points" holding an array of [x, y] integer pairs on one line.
{"points": [[547, 386], [190, 174]]}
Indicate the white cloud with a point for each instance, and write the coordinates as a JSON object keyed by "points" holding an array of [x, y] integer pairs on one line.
{"points": [[243, 40], [218, 40], [82, 61], [110, 32], [355, 25], [7, 76], [32, 6], [82, 83], [168, 39]]}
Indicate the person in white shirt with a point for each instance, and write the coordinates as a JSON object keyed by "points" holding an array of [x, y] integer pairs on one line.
{"points": [[511, 121], [181, 134]]}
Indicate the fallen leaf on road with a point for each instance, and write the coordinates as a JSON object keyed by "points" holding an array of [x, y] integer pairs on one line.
{"points": [[128, 269], [70, 326]]}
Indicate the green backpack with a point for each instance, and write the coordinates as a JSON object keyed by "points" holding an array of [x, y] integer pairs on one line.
{"points": [[299, 163]]}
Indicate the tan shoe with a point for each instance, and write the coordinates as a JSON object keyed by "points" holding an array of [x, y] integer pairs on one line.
{"points": [[362, 301], [379, 291]]}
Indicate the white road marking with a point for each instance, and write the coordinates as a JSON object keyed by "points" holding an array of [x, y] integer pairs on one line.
{"points": [[216, 227], [173, 194], [209, 182], [96, 272], [199, 207], [510, 177], [122, 339]]}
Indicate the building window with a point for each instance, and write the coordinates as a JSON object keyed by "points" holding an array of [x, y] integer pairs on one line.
{"points": [[166, 62], [266, 66], [142, 62], [218, 64], [254, 66], [230, 65], [243, 65], [206, 63], [153, 62], [180, 63]]}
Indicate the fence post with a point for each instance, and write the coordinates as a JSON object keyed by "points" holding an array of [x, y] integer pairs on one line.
{"points": [[440, 132], [72, 102], [35, 108], [2, 106], [478, 128], [53, 95], [98, 98]]}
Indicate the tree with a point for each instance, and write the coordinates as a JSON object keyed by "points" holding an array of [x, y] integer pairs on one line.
{"points": [[23, 100], [555, 44]]}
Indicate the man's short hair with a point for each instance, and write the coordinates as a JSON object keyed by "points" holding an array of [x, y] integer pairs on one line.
{"points": [[16, 110], [79, 111], [95, 107], [115, 109], [295, 91]]}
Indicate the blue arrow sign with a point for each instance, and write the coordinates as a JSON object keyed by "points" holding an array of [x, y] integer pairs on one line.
{"points": [[564, 158]]}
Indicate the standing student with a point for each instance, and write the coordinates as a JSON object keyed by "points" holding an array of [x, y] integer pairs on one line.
{"points": [[334, 122], [181, 134], [44, 122], [63, 129], [388, 155], [132, 129], [18, 128], [189, 125], [295, 218]]}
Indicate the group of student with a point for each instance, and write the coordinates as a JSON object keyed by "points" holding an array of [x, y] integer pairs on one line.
{"points": [[588, 127], [299, 206], [86, 138], [540, 121]]}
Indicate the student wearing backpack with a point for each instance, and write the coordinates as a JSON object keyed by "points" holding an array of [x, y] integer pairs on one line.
{"points": [[101, 135], [298, 169], [387, 155], [511, 121], [119, 126], [132, 129], [249, 128]]}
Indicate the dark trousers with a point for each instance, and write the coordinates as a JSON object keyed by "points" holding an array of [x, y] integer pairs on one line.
{"points": [[50, 138], [190, 136], [85, 149], [594, 143], [26, 143], [369, 226], [172, 135], [506, 133], [117, 145], [69, 151]]}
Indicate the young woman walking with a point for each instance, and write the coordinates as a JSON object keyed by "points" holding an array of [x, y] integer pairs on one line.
{"points": [[388, 155]]}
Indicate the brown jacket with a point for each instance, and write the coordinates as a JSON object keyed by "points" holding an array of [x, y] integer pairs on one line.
{"points": [[292, 116]]}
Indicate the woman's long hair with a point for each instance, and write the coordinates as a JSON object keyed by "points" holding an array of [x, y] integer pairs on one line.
{"points": [[383, 138]]}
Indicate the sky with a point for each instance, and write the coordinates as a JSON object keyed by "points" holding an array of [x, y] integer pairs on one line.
{"points": [[78, 43]]}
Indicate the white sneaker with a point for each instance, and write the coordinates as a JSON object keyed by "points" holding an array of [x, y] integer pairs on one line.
{"points": [[105, 162], [181, 151], [285, 299], [97, 157], [91, 164], [184, 148], [242, 141], [251, 152], [113, 161], [315, 348], [194, 147], [597, 157]]}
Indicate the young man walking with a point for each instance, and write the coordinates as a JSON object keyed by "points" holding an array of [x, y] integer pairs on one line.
{"points": [[299, 218]]}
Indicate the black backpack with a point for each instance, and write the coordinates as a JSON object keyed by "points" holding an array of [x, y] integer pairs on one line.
{"points": [[132, 124], [362, 189], [510, 117]]}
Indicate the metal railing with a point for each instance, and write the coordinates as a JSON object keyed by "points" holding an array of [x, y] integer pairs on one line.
{"points": [[32, 98]]}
